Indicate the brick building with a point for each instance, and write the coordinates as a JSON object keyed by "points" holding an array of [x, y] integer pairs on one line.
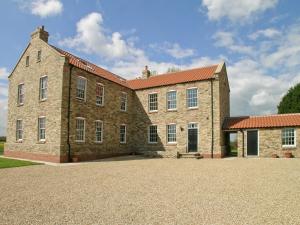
{"points": [[62, 107]]}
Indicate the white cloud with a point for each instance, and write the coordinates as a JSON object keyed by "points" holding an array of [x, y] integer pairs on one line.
{"points": [[3, 74], [174, 50], [91, 38], [268, 33], [236, 10], [45, 8], [3, 100]]}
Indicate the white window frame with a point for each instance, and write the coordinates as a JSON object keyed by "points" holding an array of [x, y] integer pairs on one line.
{"points": [[295, 138], [85, 87], [149, 134], [21, 94], [18, 129], [149, 105], [171, 142], [43, 89], [171, 109], [76, 129], [100, 85], [122, 98], [98, 121], [39, 56], [39, 129], [187, 99], [125, 136]]}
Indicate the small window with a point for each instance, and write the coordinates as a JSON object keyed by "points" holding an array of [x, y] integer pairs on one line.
{"points": [[153, 134], [123, 134], [42, 128], [20, 94], [39, 56], [171, 133], [288, 136], [99, 94], [98, 131], [171, 100], [19, 130], [27, 61], [81, 88], [43, 88], [153, 104], [80, 129], [123, 99], [192, 98]]}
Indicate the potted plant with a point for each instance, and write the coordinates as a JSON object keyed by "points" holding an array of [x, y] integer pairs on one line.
{"points": [[274, 155], [288, 154]]}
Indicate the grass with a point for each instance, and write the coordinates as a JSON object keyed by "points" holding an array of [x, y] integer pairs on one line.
{"points": [[9, 163]]}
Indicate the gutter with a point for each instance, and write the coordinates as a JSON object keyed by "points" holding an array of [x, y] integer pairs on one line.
{"points": [[212, 119], [243, 143], [69, 115]]}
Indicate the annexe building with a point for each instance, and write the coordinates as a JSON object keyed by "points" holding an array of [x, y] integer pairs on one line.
{"points": [[62, 107]]}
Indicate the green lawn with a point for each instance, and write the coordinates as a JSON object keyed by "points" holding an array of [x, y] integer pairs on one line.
{"points": [[8, 163], [1, 148]]}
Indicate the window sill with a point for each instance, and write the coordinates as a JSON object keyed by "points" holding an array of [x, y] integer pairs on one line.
{"points": [[80, 142], [172, 144], [98, 142], [19, 141], [152, 143], [43, 100], [153, 111], [123, 143], [99, 105], [41, 142], [285, 148], [81, 99], [19, 105], [192, 108], [171, 110], [123, 110]]}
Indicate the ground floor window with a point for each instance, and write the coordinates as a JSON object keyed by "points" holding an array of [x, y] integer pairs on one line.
{"points": [[42, 128], [288, 136], [123, 134], [152, 138], [19, 130], [98, 130], [171, 133], [80, 129]]}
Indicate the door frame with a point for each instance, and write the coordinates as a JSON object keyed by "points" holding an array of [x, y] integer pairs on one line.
{"points": [[187, 137], [257, 143]]}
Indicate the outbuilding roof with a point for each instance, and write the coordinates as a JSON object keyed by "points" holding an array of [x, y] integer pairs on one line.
{"points": [[268, 121]]}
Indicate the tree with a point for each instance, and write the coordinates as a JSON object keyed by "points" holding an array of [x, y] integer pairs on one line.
{"points": [[290, 103]]}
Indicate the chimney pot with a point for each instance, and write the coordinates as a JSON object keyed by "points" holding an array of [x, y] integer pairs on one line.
{"points": [[146, 72], [40, 33]]}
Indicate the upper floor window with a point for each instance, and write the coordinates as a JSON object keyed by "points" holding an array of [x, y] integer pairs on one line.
{"points": [[123, 133], [42, 128], [20, 94], [192, 97], [153, 104], [98, 131], [99, 94], [19, 130], [288, 136], [80, 129], [81, 88], [43, 87], [27, 61], [152, 138], [123, 99], [39, 56], [171, 100], [171, 133]]}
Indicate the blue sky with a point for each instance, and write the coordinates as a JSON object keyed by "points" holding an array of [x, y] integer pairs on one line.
{"points": [[258, 39]]}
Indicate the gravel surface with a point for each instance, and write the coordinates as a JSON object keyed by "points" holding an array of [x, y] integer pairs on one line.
{"points": [[133, 190]]}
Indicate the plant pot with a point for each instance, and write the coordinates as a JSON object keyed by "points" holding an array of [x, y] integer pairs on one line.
{"points": [[274, 155], [288, 155]]}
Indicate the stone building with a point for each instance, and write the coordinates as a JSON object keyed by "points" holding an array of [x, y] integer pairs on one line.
{"points": [[63, 108]]}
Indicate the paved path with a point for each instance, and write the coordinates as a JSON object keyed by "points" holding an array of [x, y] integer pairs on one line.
{"points": [[131, 190]]}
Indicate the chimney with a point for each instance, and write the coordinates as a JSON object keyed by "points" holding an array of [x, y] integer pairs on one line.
{"points": [[146, 73], [40, 33]]}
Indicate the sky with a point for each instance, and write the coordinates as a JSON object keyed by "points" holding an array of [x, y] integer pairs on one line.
{"points": [[259, 40]]}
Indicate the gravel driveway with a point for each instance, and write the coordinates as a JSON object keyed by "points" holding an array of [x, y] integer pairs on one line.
{"points": [[132, 190]]}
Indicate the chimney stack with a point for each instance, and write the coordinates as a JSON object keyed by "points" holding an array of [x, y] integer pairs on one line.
{"points": [[146, 73], [40, 33]]}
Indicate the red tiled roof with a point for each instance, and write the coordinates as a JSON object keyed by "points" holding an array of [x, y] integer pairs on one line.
{"points": [[87, 66], [204, 73], [280, 120]]}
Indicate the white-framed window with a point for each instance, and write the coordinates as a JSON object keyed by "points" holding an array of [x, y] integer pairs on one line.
{"points": [[153, 104], [81, 88], [99, 94], [152, 134], [98, 131], [43, 87], [20, 94], [42, 128], [39, 56], [19, 130], [192, 97], [80, 129], [123, 133], [123, 100], [171, 133], [27, 61], [171, 100], [288, 136]]}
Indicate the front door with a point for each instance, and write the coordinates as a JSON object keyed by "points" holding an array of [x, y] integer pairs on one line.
{"points": [[192, 137], [252, 142]]}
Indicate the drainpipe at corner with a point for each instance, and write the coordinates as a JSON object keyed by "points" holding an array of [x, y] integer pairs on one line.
{"points": [[212, 119], [69, 115]]}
